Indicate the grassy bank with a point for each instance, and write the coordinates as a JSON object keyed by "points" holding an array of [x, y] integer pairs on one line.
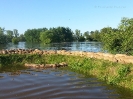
{"points": [[112, 73]]}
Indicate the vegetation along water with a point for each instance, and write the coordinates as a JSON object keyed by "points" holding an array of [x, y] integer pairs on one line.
{"points": [[115, 40], [112, 73]]}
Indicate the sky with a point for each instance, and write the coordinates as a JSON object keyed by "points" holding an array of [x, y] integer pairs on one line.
{"points": [[85, 15]]}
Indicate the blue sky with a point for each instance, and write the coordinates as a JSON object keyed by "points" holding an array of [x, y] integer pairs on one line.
{"points": [[85, 15]]}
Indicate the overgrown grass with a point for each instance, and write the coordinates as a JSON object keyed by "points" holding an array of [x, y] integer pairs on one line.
{"points": [[112, 73]]}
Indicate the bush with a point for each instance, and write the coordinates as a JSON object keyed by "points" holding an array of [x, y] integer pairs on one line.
{"points": [[15, 40], [119, 40]]}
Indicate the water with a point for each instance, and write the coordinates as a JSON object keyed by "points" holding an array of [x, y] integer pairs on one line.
{"points": [[79, 46], [53, 84]]}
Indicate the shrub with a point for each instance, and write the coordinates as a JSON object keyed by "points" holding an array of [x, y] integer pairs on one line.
{"points": [[15, 40]]}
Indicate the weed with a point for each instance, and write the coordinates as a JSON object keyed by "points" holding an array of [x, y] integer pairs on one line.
{"points": [[123, 71]]}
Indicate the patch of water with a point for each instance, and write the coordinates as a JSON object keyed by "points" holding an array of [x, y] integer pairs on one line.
{"points": [[53, 84]]}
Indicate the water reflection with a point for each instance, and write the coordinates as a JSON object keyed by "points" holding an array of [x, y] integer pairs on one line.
{"points": [[78, 46]]}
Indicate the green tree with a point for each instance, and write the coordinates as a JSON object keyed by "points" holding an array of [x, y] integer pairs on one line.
{"points": [[21, 38], [64, 34], [3, 38], [33, 35], [126, 32], [2, 31], [81, 39], [119, 40], [15, 32], [46, 37], [77, 34], [15, 40], [108, 37], [68, 35], [95, 35], [59, 34], [86, 34], [9, 35]]}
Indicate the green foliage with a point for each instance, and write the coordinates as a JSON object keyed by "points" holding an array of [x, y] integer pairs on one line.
{"points": [[113, 80], [21, 38], [46, 37], [33, 35], [3, 38], [59, 34], [10, 59], [81, 39], [35, 58], [77, 34], [15, 32], [9, 35], [15, 40], [95, 35], [86, 35], [123, 71], [119, 40], [15, 61]]}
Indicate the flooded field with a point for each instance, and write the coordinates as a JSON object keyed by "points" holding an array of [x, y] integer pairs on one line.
{"points": [[53, 84]]}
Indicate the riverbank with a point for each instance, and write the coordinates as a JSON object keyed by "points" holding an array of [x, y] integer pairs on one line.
{"points": [[111, 70], [119, 58]]}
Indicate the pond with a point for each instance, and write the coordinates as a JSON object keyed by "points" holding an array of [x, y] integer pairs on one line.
{"points": [[79, 46], [53, 84]]}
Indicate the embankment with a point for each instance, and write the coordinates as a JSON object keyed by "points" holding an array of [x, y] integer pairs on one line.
{"points": [[120, 58]]}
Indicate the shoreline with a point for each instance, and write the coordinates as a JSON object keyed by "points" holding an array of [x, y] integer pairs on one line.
{"points": [[119, 58]]}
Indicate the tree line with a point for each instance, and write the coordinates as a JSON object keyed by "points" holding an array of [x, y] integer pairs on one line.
{"points": [[7, 36], [59, 34], [115, 40], [44, 35]]}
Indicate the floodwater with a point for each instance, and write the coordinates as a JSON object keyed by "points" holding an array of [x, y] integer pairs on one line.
{"points": [[53, 84], [78, 46]]}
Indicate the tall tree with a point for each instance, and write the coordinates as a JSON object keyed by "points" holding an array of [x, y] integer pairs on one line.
{"points": [[2, 31], [3, 38], [21, 38], [9, 34], [15, 32], [77, 34]]}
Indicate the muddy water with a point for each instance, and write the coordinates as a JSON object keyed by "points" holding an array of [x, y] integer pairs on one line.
{"points": [[52, 84]]}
